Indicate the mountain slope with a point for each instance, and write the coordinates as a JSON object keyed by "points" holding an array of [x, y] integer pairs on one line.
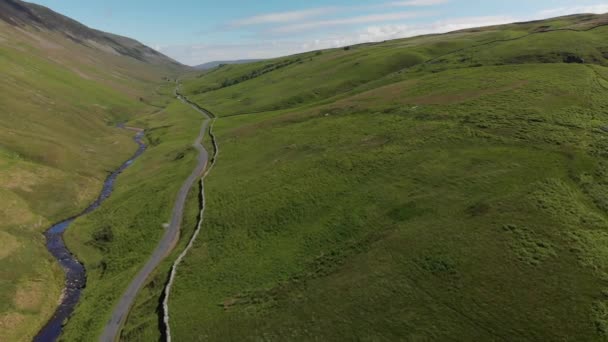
{"points": [[22, 14], [444, 187], [64, 87]]}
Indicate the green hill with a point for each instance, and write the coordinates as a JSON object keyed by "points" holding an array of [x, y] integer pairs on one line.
{"points": [[443, 187]]}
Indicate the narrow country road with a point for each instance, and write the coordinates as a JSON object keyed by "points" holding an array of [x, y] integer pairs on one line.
{"points": [[167, 291], [167, 243]]}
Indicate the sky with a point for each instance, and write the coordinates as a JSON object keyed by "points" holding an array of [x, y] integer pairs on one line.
{"points": [[198, 31]]}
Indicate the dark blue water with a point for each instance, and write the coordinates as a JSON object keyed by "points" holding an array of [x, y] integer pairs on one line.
{"points": [[75, 274]]}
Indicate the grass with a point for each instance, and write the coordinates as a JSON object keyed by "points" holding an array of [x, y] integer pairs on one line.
{"points": [[60, 105], [133, 217], [430, 188], [143, 321], [315, 77], [56, 149], [444, 201]]}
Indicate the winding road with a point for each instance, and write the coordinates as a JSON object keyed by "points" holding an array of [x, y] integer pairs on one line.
{"points": [[167, 291], [167, 243]]}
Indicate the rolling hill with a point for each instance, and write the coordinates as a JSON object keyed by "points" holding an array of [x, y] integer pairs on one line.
{"points": [[443, 187]]}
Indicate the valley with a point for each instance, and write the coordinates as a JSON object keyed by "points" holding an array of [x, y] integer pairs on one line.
{"points": [[439, 187]]}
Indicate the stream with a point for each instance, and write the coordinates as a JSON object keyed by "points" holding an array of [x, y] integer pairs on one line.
{"points": [[75, 274]]}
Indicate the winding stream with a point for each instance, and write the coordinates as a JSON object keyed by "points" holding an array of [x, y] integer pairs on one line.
{"points": [[75, 274]]}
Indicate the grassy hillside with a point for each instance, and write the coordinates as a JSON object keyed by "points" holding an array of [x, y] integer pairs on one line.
{"points": [[317, 76], [440, 187], [60, 104]]}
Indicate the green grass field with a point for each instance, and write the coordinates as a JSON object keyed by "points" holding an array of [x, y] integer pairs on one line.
{"points": [[380, 200]]}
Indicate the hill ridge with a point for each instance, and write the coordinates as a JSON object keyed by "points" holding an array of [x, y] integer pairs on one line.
{"points": [[23, 14]]}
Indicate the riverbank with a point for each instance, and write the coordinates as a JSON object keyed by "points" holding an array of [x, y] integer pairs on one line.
{"points": [[115, 241], [75, 273]]}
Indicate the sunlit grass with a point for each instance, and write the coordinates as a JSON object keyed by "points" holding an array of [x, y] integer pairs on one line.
{"points": [[455, 200]]}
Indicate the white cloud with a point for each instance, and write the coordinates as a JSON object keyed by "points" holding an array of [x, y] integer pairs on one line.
{"points": [[197, 54], [284, 17], [416, 3], [465, 23], [373, 18], [376, 27], [378, 33], [291, 16], [598, 8]]}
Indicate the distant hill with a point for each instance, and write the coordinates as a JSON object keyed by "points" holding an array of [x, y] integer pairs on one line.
{"points": [[214, 64], [23, 14]]}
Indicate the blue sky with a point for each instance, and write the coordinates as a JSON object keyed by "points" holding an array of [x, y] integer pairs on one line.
{"points": [[195, 32]]}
